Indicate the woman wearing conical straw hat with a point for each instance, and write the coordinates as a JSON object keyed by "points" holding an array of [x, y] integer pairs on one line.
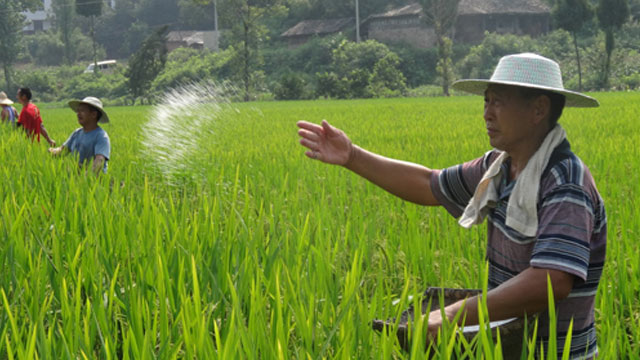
{"points": [[89, 142], [545, 215], [9, 113]]}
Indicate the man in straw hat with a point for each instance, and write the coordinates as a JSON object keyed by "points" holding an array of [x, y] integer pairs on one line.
{"points": [[30, 118], [9, 113], [545, 215], [90, 142]]}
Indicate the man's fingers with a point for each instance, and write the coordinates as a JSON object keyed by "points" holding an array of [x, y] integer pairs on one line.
{"points": [[328, 129], [311, 145], [315, 128], [313, 154], [308, 135]]}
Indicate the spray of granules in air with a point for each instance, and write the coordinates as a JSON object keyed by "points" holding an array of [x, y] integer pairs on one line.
{"points": [[178, 125]]}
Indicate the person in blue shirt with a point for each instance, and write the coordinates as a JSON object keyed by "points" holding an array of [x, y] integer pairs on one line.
{"points": [[90, 142]]}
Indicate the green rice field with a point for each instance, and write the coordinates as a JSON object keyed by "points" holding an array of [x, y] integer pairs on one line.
{"points": [[254, 251]]}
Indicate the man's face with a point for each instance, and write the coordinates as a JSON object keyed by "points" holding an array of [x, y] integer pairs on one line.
{"points": [[21, 98], [507, 116], [86, 115]]}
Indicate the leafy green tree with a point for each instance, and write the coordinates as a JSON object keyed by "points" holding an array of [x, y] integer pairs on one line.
{"points": [[442, 15], [612, 14], [45, 48], [11, 22], [634, 9], [247, 33], [198, 14], [361, 70], [291, 86], [481, 60], [349, 56], [188, 66], [572, 15], [115, 29], [64, 20], [91, 9], [156, 12], [417, 65], [137, 33], [387, 80], [147, 63]]}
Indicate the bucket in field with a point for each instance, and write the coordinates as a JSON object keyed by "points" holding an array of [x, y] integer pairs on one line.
{"points": [[511, 330]]}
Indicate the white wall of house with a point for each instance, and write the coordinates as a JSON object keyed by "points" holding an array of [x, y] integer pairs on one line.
{"points": [[39, 20]]}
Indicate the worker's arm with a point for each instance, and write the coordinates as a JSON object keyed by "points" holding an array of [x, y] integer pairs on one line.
{"points": [[59, 150], [45, 134], [331, 145], [98, 164], [524, 294]]}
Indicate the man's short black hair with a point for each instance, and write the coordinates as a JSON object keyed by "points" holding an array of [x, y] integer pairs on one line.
{"points": [[557, 102], [25, 91]]}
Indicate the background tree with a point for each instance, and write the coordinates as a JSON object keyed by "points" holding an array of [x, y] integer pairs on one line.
{"points": [[11, 23], [361, 70], [247, 33], [146, 63], [91, 9], [634, 9], [442, 15], [64, 16], [157, 12], [612, 14], [198, 14], [572, 15]]}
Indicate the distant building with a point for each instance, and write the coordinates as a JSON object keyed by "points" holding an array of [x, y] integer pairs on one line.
{"points": [[42, 19], [519, 17], [475, 17], [305, 30], [399, 25], [192, 39]]}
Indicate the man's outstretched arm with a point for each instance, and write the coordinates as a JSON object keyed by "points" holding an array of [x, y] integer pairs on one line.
{"points": [[331, 145]]}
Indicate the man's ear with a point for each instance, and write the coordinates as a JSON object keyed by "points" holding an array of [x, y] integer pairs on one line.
{"points": [[541, 109]]}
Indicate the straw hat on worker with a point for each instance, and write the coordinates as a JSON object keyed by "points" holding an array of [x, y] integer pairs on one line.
{"points": [[93, 102], [4, 99], [531, 71]]}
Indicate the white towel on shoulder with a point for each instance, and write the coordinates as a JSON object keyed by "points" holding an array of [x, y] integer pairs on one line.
{"points": [[522, 209]]}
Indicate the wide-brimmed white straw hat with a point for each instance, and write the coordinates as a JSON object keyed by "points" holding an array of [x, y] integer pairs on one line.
{"points": [[4, 99], [93, 101], [527, 70]]}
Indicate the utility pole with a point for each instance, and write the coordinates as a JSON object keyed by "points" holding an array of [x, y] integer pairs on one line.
{"points": [[215, 16], [357, 22], [215, 24]]}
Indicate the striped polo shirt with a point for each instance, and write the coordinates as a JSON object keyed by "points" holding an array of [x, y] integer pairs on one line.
{"points": [[571, 237]]}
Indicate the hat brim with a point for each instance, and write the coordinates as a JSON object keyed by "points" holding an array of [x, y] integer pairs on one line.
{"points": [[73, 104], [478, 87], [6, 102]]}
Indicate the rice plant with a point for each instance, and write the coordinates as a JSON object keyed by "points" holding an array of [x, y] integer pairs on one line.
{"points": [[269, 254]]}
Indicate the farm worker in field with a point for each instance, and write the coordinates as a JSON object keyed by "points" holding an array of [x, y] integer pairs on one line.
{"points": [[545, 215], [90, 142], [9, 113], [30, 118]]}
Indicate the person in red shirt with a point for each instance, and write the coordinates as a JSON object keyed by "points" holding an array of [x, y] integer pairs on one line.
{"points": [[30, 118]]}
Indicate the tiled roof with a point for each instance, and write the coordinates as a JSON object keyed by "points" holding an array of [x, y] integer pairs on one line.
{"points": [[469, 7], [473, 7], [311, 27]]}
